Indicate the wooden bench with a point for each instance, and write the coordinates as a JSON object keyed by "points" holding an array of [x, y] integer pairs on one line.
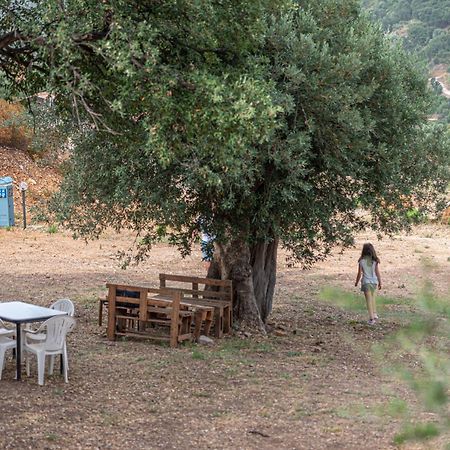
{"points": [[205, 292], [146, 316]]}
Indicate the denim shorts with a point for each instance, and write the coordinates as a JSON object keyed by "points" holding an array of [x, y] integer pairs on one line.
{"points": [[371, 287]]}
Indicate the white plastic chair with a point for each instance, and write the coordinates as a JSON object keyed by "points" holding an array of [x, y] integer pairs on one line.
{"points": [[6, 343], [63, 304], [54, 344], [6, 332]]}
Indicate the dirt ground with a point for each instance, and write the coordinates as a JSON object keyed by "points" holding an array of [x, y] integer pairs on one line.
{"points": [[312, 383]]}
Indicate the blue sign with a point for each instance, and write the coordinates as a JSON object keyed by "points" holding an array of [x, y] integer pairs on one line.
{"points": [[6, 202]]}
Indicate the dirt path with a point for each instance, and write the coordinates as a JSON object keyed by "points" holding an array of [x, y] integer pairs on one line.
{"points": [[311, 384]]}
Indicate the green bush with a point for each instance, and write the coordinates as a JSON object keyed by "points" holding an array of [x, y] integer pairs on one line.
{"points": [[416, 216]]}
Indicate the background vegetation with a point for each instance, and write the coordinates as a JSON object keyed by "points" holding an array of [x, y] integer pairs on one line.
{"points": [[423, 27], [422, 23]]}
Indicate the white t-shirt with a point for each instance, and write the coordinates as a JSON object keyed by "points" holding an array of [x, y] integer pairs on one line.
{"points": [[368, 267]]}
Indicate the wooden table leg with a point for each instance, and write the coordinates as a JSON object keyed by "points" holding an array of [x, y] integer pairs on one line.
{"points": [[111, 331], [208, 322], [199, 317], [100, 312], [218, 322]]}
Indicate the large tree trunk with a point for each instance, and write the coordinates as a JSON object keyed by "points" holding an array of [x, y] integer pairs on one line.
{"points": [[253, 271]]}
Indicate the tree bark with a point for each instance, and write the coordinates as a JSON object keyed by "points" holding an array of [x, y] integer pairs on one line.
{"points": [[253, 271], [264, 271]]}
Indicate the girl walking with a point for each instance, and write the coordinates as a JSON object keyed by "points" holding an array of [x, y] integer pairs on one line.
{"points": [[369, 274]]}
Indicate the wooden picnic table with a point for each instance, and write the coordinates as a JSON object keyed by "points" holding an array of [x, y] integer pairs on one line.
{"points": [[128, 316]]}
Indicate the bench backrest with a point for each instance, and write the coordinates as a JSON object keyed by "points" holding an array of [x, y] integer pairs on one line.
{"points": [[197, 287]]}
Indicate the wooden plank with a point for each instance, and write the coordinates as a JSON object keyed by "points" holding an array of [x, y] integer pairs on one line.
{"points": [[218, 322], [184, 337], [204, 302], [111, 313], [208, 322], [168, 312], [142, 307], [175, 318], [197, 293], [101, 302], [200, 316], [189, 302], [185, 278], [129, 287]]}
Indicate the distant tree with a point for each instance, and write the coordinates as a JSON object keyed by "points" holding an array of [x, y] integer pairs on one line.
{"points": [[418, 36], [263, 123], [437, 49]]}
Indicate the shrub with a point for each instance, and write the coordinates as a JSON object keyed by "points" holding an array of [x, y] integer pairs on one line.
{"points": [[416, 216], [52, 229]]}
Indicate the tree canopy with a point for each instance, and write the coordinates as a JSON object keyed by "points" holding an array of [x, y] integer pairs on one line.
{"points": [[259, 122]]}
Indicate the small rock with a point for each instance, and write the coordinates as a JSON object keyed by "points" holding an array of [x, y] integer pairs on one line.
{"points": [[205, 340]]}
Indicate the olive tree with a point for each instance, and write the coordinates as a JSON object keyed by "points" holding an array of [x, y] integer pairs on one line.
{"points": [[263, 123]]}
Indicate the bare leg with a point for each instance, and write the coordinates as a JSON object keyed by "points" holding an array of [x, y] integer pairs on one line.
{"points": [[374, 305], [369, 303]]}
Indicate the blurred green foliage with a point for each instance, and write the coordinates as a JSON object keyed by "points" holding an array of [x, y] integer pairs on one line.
{"points": [[417, 353]]}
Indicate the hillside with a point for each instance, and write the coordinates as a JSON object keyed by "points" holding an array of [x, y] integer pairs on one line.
{"points": [[423, 24], [424, 28], [42, 180]]}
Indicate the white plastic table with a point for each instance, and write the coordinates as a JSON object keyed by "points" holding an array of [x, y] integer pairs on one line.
{"points": [[19, 313]]}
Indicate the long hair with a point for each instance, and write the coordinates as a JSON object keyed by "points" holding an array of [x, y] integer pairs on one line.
{"points": [[368, 250]]}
